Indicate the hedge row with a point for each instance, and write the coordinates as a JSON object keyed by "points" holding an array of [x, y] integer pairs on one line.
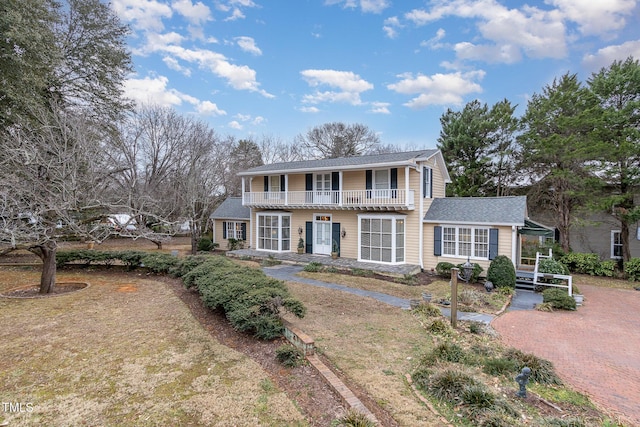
{"points": [[588, 263], [250, 300]]}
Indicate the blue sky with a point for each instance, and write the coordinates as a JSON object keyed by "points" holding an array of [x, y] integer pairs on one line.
{"points": [[254, 68]]}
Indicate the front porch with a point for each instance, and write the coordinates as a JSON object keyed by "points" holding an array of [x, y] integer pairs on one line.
{"points": [[339, 263]]}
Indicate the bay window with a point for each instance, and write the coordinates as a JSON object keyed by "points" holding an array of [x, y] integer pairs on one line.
{"points": [[274, 231]]}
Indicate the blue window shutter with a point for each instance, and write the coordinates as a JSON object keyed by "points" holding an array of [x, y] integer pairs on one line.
{"points": [[394, 182], [335, 181], [243, 226], [437, 240], [425, 171], [282, 183], [308, 182], [430, 183], [368, 181], [493, 243], [224, 229], [266, 183], [308, 244]]}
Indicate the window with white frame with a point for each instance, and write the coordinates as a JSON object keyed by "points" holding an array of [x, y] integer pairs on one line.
{"points": [[274, 183], [616, 244], [274, 231], [467, 242], [382, 238], [234, 230], [381, 179]]}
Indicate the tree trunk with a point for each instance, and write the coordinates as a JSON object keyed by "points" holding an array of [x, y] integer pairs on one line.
{"points": [[47, 253], [624, 234], [194, 244]]}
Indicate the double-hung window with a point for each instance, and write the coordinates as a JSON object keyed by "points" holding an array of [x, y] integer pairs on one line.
{"points": [[234, 230], [465, 242], [616, 244]]}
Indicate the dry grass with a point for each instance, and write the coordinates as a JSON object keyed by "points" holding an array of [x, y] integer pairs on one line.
{"points": [[603, 282], [372, 343], [125, 351], [368, 283]]}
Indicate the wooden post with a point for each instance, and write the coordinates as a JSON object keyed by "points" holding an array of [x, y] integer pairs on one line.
{"points": [[454, 297]]}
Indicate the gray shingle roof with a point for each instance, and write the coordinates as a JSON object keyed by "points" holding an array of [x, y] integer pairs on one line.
{"points": [[341, 162], [232, 208], [479, 210]]}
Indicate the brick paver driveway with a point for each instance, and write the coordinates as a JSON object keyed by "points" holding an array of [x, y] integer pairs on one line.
{"points": [[595, 349]]}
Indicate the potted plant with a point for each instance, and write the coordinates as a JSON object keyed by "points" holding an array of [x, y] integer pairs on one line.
{"points": [[301, 246], [334, 249]]}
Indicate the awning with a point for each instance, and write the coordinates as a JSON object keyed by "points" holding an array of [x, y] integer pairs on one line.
{"points": [[534, 229]]}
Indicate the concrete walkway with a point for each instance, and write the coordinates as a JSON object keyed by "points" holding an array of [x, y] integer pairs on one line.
{"points": [[288, 273], [595, 349]]}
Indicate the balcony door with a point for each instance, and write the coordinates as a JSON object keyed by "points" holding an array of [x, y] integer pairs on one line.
{"points": [[322, 234], [322, 190]]}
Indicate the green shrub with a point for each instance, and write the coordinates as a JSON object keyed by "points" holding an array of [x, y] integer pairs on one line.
{"points": [[551, 266], [581, 263], [564, 422], [450, 352], [499, 366], [542, 370], [478, 396], [361, 272], [443, 269], [313, 267], [188, 263], [501, 272], [131, 259], [428, 310], [205, 244], [421, 377], [160, 263], [439, 326], [290, 356], [233, 244], [606, 268], [449, 384], [559, 299], [632, 269]]}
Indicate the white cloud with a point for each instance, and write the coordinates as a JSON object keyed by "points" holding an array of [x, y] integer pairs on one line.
{"points": [[596, 17], [367, 6], [196, 14], [507, 33], [240, 77], [248, 44], [438, 89], [208, 108], [434, 42], [350, 86], [154, 91], [310, 110], [173, 64], [144, 15], [391, 26], [234, 124], [247, 118], [605, 56], [380, 108]]}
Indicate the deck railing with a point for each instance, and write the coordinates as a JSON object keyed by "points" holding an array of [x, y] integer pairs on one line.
{"points": [[331, 198]]}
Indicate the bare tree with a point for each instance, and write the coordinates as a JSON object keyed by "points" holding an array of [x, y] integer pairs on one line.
{"points": [[53, 183], [337, 139], [275, 150]]}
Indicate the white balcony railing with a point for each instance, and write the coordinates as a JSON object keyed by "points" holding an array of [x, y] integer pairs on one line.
{"points": [[346, 199]]}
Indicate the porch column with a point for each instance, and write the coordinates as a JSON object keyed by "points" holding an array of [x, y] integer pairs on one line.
{"points": [[340, 188], [406, 186], [242, 180], [286, 189], [514, 245]]}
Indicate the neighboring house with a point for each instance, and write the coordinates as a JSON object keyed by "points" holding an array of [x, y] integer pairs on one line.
{"points": [[230, 221], [384, 208], [599, 233]]}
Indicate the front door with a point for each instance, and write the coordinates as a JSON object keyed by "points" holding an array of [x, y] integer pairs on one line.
{"points": [[322, 234], [323, 188]]}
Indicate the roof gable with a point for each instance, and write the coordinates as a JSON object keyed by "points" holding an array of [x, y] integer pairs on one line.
{"points": [[232, 208], [407, 157], [511, 210]]}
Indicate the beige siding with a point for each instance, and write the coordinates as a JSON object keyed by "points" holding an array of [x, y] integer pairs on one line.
{"points": [[430, 260], [218, 233], [297, 182]]}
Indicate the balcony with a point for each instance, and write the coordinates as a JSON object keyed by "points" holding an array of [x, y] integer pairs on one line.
{"points": [[383, 200]]}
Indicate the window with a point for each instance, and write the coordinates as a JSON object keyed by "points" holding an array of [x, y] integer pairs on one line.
{"points": [[274, 183], [426, 182], [274, 232], [381, 179], [234, 230], [466, 242], [382, 239], [616, 244]]}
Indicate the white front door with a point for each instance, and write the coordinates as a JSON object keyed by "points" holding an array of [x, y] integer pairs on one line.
{"points": [[323, 188], [322, 234]]}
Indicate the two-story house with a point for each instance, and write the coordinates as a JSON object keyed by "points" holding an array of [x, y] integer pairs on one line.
{"points": [[383, 208]]}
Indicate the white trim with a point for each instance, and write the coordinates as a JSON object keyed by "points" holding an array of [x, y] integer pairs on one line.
{"points": [[313, 233], [611, 244], [421, 224], [280, 215], [514, 245], [495, 224], [472, 242], [394, 233]]}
